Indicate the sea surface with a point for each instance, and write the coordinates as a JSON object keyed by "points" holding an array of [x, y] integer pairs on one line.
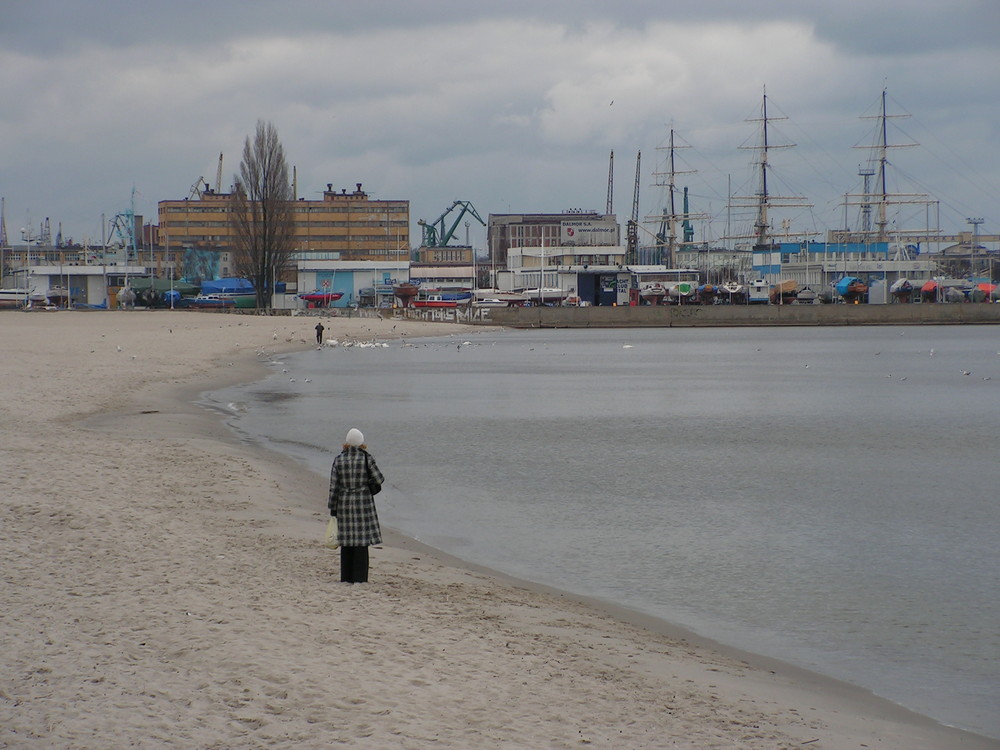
{"points": [[828, 496]]}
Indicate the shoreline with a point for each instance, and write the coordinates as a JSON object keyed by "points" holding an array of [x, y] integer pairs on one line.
{"points": [[215, 630]]}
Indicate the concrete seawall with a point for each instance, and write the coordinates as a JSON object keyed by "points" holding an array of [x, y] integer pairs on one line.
{"points": [[738, 315]]}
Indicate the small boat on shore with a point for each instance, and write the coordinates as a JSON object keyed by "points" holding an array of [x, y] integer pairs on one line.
{"points": [[653, 293], [806, 296], [496, 295], [682, 290], [437, 298], [901, 290], [13, 298], [241, 291], [852, 289], [953, 294], [58, 296], [405, 292], [490, 302], [545, 295], [784, 292], [706, 293], [320, 297], [210, 302]]}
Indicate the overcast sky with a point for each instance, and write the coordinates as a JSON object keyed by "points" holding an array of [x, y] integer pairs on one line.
{"points": [[514, 106]]}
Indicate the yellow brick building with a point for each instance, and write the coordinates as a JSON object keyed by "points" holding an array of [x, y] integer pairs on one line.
{"points": [[348, 226]]}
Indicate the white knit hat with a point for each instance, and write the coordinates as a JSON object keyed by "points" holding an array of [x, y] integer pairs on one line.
{"points": [[354, 437]]}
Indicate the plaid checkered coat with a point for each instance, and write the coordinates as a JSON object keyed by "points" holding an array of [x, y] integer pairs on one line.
{"points": [[350, 501]]}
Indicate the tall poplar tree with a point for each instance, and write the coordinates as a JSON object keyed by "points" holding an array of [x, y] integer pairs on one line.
{"points": [[261, 213]]}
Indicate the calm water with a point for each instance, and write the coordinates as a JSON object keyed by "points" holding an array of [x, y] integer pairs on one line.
{"points": [[828, 496]]}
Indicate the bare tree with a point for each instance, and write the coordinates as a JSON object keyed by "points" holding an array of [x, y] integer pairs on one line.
{"points": [[261, 213]]}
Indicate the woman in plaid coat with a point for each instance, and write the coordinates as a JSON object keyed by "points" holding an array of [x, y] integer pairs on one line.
{"points": [[352, 503]]}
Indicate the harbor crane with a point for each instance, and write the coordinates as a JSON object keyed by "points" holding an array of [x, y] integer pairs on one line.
{"points": [[632, 230], [199, 187], [610, 207], [3, 224], [218, 176], [436, 235]]}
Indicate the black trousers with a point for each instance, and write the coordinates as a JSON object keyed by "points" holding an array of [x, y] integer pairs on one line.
{"points": [[354, 564]]}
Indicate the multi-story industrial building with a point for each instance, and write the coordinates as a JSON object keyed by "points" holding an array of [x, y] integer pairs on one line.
{"points": [[573, 228], [342, 226], [573, 255]]}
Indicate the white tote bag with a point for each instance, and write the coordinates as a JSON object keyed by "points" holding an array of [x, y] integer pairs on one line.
{"points": [[332, 534]]}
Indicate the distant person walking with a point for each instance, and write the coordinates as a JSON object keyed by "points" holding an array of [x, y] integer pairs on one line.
{"points": [[319, 332], [354, 481]]}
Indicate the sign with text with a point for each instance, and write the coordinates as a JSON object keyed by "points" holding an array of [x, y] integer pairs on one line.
{"points": [[588, 232]]}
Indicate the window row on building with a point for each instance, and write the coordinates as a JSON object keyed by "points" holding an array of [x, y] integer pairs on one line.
{"points": [[370, 228]]}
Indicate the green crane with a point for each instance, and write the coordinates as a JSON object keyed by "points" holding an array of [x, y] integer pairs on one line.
{"points": [[435, 234]]}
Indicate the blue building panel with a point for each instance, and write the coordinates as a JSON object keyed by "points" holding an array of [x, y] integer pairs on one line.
{"points": [[337, 281], [835, 248]]}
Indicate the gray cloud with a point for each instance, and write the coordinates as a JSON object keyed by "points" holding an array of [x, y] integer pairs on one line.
{"points": [[508, 107]]}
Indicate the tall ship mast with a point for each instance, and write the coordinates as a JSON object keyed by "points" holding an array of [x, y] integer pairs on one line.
{"points": [[669, 218], [875, 201], [762, 200]]}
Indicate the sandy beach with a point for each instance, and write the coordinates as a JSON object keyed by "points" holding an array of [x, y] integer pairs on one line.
{"points": [[166, 585]]}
